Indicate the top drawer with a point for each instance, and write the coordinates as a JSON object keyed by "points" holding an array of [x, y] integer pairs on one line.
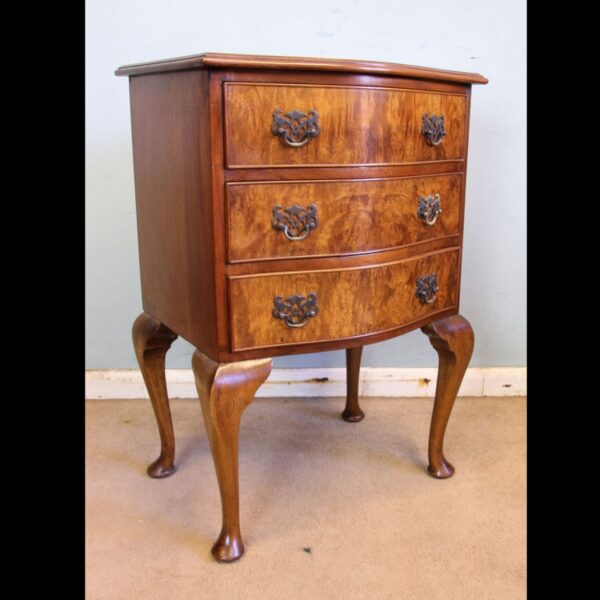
{"points": [[266, 125]]}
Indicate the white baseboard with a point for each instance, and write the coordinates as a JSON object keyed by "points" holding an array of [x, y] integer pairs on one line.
{"points": [[375, 382]]}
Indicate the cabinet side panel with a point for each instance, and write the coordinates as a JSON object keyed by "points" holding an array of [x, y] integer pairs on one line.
{"points": [[171, 149]]}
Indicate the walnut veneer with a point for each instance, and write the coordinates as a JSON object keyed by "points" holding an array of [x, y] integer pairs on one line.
{"points": [[290, 205]]}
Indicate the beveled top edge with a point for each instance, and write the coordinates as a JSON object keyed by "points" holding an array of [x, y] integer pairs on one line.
{"points": [[248, 61]]}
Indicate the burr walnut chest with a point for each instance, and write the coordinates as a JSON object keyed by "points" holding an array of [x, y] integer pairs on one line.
{"points": [[290, 205]]}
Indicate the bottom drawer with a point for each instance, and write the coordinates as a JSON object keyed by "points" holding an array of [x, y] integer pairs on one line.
{"points": [[300, 307]]}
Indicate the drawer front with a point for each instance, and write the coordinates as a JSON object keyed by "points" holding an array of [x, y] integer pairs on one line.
{"points": [[324, 218], [297, 308], [353, 125]]}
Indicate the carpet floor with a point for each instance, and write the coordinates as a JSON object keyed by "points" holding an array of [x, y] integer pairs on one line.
{"points": [[329, 509]]}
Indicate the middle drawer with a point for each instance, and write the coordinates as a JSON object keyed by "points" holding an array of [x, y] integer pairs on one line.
{"points": [[268, 220]]}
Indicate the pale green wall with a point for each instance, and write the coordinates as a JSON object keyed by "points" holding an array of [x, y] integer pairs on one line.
{"points": [[471, 35]]}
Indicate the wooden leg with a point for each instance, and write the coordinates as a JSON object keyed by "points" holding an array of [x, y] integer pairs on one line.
{"points": [[225, 390], [151, 340], [453, 339], [352, 413]]}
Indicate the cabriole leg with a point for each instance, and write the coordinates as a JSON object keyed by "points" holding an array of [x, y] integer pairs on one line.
{"points": [[453, 340], [352, 413], [225, 390], [152, 340]]}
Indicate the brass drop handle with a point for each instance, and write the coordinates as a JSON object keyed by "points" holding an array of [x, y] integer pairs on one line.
{"points": [[433, 129], [295, 128], [296, 222], [429, 209], [295, 311], [427, 288]]}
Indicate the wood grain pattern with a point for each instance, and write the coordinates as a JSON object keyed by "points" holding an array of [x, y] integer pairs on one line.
{"points": [[151, 341], [359, 125], [353, 216], [453, 340], [247, 61], [351, 301], [171, 150], [225, 390]]}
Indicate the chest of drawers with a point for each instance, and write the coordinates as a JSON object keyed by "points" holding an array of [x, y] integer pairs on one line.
{"points": [[290, 205]]}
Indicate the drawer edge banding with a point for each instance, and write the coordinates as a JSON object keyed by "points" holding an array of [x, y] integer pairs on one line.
{"points": [[352, 179], [356, 254], [384, 263], [375, 258], [263, 166], [339, 86]]}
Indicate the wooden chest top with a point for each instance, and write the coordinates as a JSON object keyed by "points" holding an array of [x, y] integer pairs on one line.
{"points": [[212, 60]]}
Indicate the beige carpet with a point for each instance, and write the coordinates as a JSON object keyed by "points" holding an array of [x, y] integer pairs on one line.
{"points": [[356, 495]]}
